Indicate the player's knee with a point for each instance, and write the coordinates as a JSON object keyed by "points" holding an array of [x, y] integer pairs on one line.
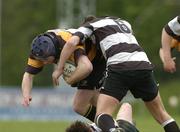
{"points": [[77, 108], [126, 106]]}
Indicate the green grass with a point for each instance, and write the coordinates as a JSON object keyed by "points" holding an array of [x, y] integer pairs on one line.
{"points": [[144, 124], [33, 126], [148, 124], [144, 121]]}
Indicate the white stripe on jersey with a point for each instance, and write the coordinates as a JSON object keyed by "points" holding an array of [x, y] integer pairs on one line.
{"points": [[103, 23], [71, 30], [117, 38], [56, 31], [175, 26], [85, 31], [126, 57]]}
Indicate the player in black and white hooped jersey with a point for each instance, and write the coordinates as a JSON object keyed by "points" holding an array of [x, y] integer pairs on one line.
{"points": [[117, 42], [170, 39], [128, 69]]}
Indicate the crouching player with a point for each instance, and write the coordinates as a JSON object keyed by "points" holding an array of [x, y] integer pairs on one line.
{"points": [[123, 122], [46, 49]]}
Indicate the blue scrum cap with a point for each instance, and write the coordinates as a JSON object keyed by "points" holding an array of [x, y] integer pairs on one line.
{"points": [[43, 47]]}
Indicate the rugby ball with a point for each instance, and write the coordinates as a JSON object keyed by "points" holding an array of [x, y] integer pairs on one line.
{"points": [[69, 68]]}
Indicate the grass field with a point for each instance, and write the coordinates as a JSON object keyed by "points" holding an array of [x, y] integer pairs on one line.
{"points": [[145, 124]]}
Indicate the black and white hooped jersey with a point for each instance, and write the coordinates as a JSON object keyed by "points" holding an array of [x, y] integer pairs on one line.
{"points": [[117, 42], [173, 28]]}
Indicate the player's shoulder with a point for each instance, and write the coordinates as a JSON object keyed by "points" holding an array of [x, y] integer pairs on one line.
{"points": [[63, 33], [35, 63]]}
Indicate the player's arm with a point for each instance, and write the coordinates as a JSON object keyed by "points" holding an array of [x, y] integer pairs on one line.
{"points": [[27, 82], [68, 49], [66, 52], [165, 52], [33, 68], [83, 69]]}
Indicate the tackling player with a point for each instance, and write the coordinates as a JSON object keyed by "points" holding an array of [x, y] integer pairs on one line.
{"points": [[46, 49], [124, 122], [128, 69], [170, 39]]}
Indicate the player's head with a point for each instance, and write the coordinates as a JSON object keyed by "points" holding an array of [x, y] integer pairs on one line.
{"points": [[43, 46], [89, 18], [79, 126]]}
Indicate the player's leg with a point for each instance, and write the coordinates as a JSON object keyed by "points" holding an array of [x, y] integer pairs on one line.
{"points": [[124, 118], [146, 88], [105, 107], [85, 103], [113, 90], [86, 97], [159, 113], [125, 113]]}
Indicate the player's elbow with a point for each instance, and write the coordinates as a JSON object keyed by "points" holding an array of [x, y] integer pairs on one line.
{"points": [[88, 67], [85, 64]]}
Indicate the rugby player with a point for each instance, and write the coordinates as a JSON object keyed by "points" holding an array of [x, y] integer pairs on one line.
{"points": [[128, 69], [124, 122], [170, 40], [46, 49]]}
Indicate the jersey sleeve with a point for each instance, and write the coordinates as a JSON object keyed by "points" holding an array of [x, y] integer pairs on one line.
{"points": [[175, 44], [80, 50], [173, 28], [84, 32], [34, 66]]}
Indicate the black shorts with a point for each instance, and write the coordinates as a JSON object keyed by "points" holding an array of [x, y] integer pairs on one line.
{"points": [[126, 126], [95, 79], [141, 83]]}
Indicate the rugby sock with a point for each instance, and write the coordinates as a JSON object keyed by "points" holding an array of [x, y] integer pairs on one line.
{"points": [[170, 126], [105, 122], [90, 114]]}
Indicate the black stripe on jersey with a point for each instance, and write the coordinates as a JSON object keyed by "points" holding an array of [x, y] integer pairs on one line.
{"points": [[105, 31], [80, 35], [77, 54], [171, 33], [131, 65], [122, 47], [61, 41], [178, 19], [33, 70]]}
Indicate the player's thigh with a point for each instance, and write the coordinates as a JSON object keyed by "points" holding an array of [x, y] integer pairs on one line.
{"points": [[106, 104], [115, 85], [83, 97], [145, 86]]}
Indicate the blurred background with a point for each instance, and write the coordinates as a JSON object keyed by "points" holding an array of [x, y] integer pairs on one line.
{"points": [[21, 21]]}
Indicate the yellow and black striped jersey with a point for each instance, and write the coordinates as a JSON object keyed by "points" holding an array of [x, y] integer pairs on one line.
{"points": [[175, 44], [35, 66]]}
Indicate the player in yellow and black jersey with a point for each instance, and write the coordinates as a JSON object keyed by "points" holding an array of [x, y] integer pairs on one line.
{"points": [[46, 49]]}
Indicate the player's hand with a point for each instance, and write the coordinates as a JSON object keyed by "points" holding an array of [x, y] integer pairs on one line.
{"points": [[170, 65], [68, 80], [26, 101], [55, 76]]}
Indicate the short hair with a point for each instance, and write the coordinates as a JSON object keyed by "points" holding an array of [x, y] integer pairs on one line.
{"points": [[79, 126], [89, 18]]}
